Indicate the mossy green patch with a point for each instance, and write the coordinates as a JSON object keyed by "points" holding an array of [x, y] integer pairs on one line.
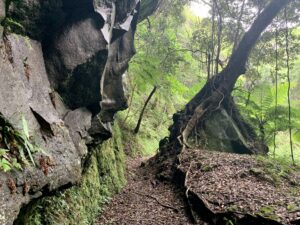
{"points": [[268, 212], [103, 177], [206, 168], [276, 170]]}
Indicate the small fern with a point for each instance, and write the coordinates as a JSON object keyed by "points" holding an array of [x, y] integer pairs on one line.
{"points": [[15, 146], [258, 107]]}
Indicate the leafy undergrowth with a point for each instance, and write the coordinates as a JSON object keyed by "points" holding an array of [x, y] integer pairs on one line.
{"points": [[145, 143], [283, 151], [241, 186], [16, 148]]}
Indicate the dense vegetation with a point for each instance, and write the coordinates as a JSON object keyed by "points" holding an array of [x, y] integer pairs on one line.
{"points": [[177, 51], [181, 56]]}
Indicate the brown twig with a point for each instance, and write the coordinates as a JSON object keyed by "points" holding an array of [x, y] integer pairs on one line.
{"points": [[160, 203]]}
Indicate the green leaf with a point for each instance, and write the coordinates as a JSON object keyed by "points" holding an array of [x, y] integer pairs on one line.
{"points": [[25, 127], [16, 165], [3, 152], [29, 148], [6, 166], [296, 135]]}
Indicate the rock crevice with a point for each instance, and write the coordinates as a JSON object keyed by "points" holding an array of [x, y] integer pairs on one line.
{"points": [[52, 56]]}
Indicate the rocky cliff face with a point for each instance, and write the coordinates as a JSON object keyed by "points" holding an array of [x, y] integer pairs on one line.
{"points": [[54, 56]]}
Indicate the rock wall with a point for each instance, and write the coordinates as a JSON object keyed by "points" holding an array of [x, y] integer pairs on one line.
{"points": [[103, 177], [53, 54]]}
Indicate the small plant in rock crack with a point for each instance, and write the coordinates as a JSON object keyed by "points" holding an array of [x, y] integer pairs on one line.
{"points": [[15, 146]]}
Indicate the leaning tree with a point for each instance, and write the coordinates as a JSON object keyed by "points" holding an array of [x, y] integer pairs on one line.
{"points": [[213, 106]]}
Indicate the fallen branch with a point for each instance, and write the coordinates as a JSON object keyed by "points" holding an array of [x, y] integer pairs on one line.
{"points": [[160, 203]]}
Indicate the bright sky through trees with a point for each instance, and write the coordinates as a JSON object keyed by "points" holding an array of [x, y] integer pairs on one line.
{"points": [[200, 9]]}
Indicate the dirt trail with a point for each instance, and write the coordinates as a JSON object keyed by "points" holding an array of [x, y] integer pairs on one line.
{"points": [[145, 200]]}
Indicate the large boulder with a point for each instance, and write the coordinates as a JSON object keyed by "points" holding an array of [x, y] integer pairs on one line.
{"points": [[75, 61], [221, 132]]}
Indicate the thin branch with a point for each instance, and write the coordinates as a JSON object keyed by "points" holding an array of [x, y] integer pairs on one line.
{"points": [[219, 37], [276, 90], [289, 82], [156, 199], [137, 128], [239, 24]]}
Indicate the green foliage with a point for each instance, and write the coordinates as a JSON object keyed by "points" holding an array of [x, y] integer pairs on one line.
{"points": [[6, 163], [9, 23], [283, 152], [163, 59], [228, 221], [276, 170], [259, 109], [268, 212], [28, 146], [12, 146]]}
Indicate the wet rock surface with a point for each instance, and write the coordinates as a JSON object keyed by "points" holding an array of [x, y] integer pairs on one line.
{"points": [[25, 92], [51, 65]]}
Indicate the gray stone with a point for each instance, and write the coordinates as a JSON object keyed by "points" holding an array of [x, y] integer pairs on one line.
{"points": [[75, 52], [1, 32], [75, 62], [39, 19], [80, 42], [25, 93], [2, 10], [222, 133], [79, 122]]}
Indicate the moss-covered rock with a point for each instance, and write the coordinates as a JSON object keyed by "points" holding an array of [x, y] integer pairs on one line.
{"points": [[103, 177]]}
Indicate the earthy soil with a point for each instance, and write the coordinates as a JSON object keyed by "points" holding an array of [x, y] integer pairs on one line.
{"points": [[243, 184], [217, 187], [145, 200]]}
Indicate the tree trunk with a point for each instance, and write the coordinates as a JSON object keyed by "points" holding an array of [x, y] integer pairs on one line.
{"points": [[238, 27], [137, 128], [219, 37], [215, 96], [276, 92], [289, 83]]}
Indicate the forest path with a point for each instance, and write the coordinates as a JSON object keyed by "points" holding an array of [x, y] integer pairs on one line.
{"points": [[144, 200]]}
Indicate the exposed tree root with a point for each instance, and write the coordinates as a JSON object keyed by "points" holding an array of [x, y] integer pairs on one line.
{"points": [[191, 211]]}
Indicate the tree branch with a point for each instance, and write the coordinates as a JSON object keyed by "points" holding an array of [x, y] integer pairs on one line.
{"points": [[137, 128]]}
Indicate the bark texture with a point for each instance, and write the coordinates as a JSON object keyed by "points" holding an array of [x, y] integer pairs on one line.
{"points": [[215, 98]]}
